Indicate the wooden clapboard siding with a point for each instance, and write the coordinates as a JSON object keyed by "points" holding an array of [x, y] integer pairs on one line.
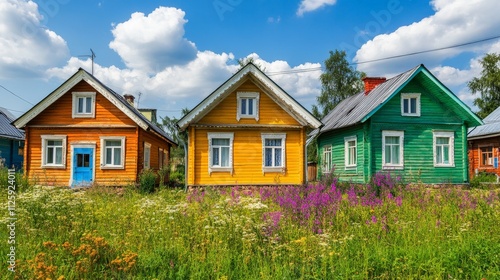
{"points": [[247, 159], [156, 143], [269, 111], [475, 164], [356, 174], [61, 176], [60, 112]]}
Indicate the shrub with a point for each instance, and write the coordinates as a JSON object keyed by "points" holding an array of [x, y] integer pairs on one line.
{"points": [[483, 177], [147, 181], [177, 178]]}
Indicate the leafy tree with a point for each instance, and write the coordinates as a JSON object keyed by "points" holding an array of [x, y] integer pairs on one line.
{"points": [[488, 85], [339, 81]]}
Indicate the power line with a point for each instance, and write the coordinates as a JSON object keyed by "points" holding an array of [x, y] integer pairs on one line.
{"points": [[426, 51], [17, 95], [293, 71]]}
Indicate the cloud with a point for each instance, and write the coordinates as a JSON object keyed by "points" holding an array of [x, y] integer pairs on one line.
{"points": [[312, 5], [454, 22], [153, 42], [23, 33]]}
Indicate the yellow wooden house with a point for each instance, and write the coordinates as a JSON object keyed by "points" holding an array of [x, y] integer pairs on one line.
{"points": [[249, 131]]}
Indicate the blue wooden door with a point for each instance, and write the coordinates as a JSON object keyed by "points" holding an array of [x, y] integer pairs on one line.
{"points": [[83, 164]]}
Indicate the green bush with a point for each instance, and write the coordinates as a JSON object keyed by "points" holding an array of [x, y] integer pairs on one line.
{"points": [[177, 178], [147, 181], [483, 177]]}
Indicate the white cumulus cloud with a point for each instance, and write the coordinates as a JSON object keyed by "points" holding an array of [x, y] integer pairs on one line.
{"points": [[454, 22], [152, 42], [26, 46]]}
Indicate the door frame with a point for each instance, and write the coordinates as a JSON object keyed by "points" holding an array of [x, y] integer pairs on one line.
{"points": [[91, 145]]}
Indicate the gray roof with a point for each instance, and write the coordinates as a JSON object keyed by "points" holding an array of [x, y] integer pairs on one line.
{"points": [[7, 130], [490, 128], [356, 108], [360, 107]]}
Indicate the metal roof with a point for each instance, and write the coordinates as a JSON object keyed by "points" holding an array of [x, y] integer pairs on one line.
{"points": [[360, 107], [356, 108], [7, 130], [491, 126]]}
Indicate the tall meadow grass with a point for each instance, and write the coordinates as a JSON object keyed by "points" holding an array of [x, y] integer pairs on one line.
{"points": [[383, 230]]}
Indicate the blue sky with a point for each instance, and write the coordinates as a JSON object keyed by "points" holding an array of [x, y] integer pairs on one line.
{"points": [[175, 53]]}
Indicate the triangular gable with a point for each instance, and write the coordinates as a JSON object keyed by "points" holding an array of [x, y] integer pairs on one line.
{"points": [[276, 93], [114, 98], [360, 107]]}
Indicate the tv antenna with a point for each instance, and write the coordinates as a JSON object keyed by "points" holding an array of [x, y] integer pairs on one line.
{"points": [[139, 99], [92, 56]]}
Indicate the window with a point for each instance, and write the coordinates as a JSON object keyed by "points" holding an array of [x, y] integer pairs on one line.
{"points": [[392, 149], [112, 152], [273, 152], [220, 152], [162, 158], [350, 151], [327, 159], [83, 104], [443, 148], [486, 156], [53, 151], [147, 155], [410, 104], [248, 105]]}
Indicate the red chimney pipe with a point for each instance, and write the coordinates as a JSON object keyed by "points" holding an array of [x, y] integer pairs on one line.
{"points": [[372, 82]]}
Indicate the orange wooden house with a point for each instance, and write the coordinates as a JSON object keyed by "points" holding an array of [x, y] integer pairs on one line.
{"points": [[249, 131], [84, 133], [484, 145]]}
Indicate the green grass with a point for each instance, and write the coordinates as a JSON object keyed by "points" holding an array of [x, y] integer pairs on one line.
{"points": [[407, 232]]}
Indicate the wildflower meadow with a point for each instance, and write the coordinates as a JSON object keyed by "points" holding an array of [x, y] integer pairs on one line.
{"points": [[387, 229]]}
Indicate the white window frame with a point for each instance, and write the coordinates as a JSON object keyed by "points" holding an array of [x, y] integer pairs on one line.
{"points": [[480, 152], [103, 152], [327, 159], [399, 134], [147, 155], [451, 143], [282, 137], [248, 95], [45, 139], [347, 140], [409, 96], [220, 135], [76, 97]]}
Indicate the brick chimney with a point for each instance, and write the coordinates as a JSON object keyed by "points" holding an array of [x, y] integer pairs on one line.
{"points": [[130, 99], [372, 82]]}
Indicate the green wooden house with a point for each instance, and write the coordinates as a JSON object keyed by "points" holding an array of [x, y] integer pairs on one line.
{"points": [[410, 125]]}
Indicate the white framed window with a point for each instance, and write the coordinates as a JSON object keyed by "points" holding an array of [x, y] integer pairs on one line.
{"points": [[273, 152], [443, 143], [84, 104], [410, 104], [220, 150], [327, 159], [113, 152], [54, 151], [147, 155], [350, 148], [248, 105], [392, 149], [486, 154]]}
